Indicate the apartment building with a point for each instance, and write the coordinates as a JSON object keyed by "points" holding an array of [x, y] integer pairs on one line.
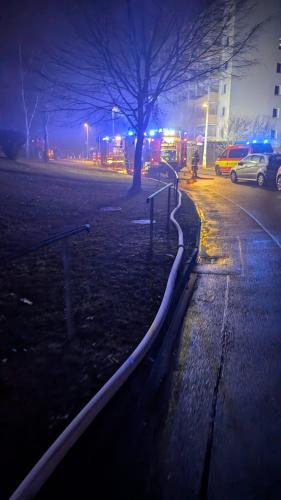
{"points": [[244, 103], [249, 104]]}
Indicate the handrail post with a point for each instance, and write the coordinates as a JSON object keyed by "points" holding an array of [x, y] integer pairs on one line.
{"points": [[67, 296], [151, 223], [168, 212]]}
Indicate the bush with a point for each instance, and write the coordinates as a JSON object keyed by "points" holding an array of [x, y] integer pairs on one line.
{"points": [[11, 142]]}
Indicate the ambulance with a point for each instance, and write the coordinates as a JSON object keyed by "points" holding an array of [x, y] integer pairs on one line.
{"points": [[234, 153]]}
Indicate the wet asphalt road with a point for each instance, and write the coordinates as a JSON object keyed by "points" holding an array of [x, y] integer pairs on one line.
{"points": [[222, 440]]}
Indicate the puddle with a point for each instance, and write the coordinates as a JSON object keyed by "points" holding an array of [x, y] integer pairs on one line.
{"points": [[110, 209], [142, 221]]}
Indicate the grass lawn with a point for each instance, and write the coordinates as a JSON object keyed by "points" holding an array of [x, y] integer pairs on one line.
{"points": [[116, 288]]}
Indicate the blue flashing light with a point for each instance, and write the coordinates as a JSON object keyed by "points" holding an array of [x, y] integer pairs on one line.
{"points": [[106, 138], [248, 142], [152, 133], [131, 132], [265, 141], [254, 141]]}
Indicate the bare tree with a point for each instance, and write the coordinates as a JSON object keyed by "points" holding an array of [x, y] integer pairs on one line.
{"points": [[260, 127], [238, 128], [29, 101], [127, 55], [246, 127]]}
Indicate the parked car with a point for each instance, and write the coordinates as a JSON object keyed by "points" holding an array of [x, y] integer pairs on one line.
{"points": [[259, 168], [236, 152], [278, 179]]}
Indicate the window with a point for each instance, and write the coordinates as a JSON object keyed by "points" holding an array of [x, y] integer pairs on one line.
{"points": [[279, 43], [273, 134], [224, 89], [277, 90], [278, 69], [225, 153], [255, 158], [238, 153], [227, 41], [275, 113], [223, 111]]}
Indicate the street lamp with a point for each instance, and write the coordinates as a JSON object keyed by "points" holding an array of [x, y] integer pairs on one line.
{"points": [[204, 162], [87, 140]]}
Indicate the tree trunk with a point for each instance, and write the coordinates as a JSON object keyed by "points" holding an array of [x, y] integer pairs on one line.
{"points": [[46, 141], [136, 185], [27, 147]]}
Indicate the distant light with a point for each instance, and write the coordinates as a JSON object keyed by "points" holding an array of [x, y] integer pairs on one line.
{"points": [[172, 132], [265, 141], [254, 141], [86, 125], [152, 133], [106, 138], [204, 105], [248, 142], [118, 138], [160, 130], [145, 134], [130, 133]]}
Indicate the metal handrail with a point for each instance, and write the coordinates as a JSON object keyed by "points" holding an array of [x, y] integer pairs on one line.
{"points": [[57, 237], [150, 200], [158, 192], [176, 183], [63, 236]]}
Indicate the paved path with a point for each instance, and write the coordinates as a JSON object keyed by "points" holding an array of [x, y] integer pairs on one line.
{"points": [[223, 434]]}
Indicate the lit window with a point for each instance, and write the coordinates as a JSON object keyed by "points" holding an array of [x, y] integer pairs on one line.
{"points": [[278, 70], [275, 113], [273, 134], [277, 90]]}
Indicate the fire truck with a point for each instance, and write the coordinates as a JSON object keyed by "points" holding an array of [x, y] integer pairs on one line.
{"points": [[168, 145], [163, 144]]}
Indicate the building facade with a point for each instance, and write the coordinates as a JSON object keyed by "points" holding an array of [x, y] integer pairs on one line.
{"points": [[249, 103]]}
